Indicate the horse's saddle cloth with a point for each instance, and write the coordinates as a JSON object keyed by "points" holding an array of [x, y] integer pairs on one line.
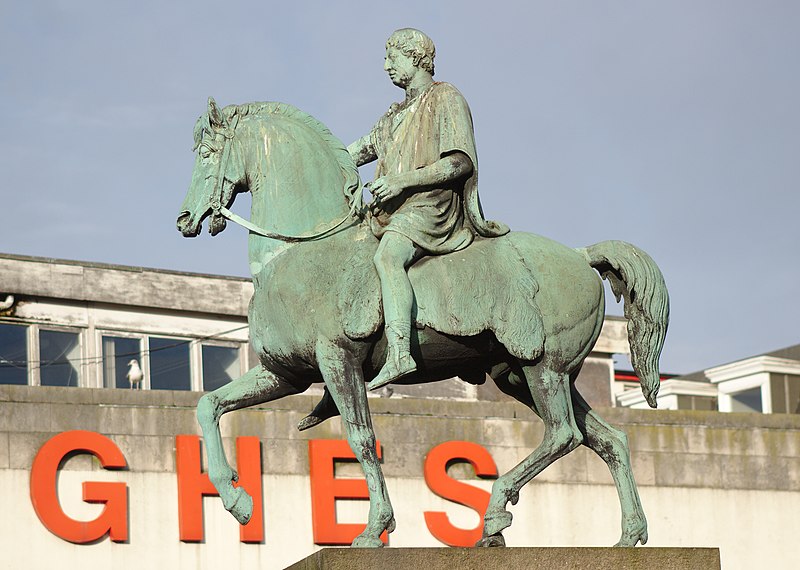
{"points": [[486, 286]]}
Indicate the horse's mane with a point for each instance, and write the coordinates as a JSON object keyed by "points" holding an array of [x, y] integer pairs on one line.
{"points": [[352, 181]]}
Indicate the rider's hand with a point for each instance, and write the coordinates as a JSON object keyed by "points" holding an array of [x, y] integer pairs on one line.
{"points": [[387, 187]]}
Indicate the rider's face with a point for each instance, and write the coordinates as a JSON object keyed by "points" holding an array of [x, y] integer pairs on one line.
{"points": [[399, 66]]}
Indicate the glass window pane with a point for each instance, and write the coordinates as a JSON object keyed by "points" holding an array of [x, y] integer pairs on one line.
{"points": [[119, 354], [169, 364], [13, 354], [220, 366], [59, 355], [747, 401]]}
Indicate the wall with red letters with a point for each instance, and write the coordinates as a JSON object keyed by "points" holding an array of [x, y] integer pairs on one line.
{"points": [[101, 478]]}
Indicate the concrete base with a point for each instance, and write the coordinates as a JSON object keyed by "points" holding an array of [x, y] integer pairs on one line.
{"points": [[512, 559]]}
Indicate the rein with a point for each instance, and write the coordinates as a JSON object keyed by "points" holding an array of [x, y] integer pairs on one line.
{"points": [[220, 210]]}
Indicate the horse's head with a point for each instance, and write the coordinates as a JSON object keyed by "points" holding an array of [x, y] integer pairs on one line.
{"points": [[213, 178]]}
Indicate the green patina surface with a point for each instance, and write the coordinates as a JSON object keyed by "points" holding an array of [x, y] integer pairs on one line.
{"points": [[416, 287]]}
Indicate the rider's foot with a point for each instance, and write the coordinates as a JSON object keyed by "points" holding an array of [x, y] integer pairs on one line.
{"points": [[394, 369]]}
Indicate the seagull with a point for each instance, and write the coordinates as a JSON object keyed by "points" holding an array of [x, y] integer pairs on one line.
{"points": [[134, 375]]}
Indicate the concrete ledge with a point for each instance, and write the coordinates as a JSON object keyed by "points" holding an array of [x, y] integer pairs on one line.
{"points": [[623, 417], [512, 558]]}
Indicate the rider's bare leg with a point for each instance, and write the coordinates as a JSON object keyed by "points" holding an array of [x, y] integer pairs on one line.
{"points": [[395, 254], [395, 251]]}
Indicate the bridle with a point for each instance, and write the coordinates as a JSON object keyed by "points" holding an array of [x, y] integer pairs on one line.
{"points": [[218, 209]]}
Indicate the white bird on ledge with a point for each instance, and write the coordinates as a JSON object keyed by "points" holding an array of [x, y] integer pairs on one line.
{"points": [[135, 374]]}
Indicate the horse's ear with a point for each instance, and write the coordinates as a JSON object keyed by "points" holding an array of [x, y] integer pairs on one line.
{"points": [[214, 114]]}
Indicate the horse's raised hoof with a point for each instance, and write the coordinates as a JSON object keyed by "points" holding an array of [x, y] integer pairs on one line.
{"points": [[242, 505], [492, 541], [325, 409], [308, 422]]}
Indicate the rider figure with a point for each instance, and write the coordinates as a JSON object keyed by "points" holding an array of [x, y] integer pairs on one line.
{"points": [[425, 194], [424, 180]]}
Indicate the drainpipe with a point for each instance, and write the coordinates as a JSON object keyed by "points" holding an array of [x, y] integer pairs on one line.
{"points": [[8, 303]]}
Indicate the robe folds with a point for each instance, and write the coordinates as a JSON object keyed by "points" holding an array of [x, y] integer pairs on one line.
{"points": [[438, 219]]}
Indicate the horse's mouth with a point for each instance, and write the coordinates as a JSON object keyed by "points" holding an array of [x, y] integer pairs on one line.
{"points": [[186, 226]]}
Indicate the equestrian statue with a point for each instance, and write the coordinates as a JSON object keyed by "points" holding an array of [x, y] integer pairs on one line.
{"points": [[417, 286]]}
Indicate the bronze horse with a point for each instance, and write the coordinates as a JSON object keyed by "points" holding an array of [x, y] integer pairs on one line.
{"points": [[521, 308]]}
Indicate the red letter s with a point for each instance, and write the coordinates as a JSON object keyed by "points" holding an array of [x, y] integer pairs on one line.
{"points": [[438, 481]]}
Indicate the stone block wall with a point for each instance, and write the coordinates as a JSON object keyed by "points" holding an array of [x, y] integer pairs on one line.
{"points": [[707, 479]]}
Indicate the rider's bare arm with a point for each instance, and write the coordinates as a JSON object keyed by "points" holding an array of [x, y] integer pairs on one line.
{"points": [[450, 167], [362, 151]]}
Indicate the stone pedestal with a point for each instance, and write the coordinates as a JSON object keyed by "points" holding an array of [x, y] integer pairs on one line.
{"points": [[512, 559]]}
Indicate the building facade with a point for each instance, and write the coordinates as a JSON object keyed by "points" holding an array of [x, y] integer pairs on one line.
{"points": [[77, 324], [96, 474], [764, 384]]}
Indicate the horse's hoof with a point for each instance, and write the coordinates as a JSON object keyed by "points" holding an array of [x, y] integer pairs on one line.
{"points": [[362, 541], [308, 422], [631, 540], [497, 521], [493, 541], [242, 507]]}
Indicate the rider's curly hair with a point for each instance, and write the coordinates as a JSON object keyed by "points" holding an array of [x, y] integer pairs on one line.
{"points": [[416, 45]]}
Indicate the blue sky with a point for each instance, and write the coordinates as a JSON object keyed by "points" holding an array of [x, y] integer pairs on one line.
{"points": [[672, 125]]}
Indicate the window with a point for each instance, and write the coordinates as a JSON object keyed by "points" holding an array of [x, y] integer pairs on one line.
{"points": [[747, 401], [169, 364], [34, 353], [220, 365], [13, 354], [785, 389], [118, 352], [59, 358]]}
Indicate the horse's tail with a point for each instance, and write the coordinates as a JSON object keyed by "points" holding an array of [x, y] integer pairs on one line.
{"points": [[634, 276]]}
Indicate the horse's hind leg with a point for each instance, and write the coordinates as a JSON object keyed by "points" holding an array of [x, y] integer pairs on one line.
{"points": [[611, 444], [255, 387], [344, 379], [549, 389]]}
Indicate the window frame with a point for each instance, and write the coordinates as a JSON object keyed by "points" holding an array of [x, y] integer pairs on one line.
{"points": [[29, 353], [193, 375], [91, 368], [239, 346], [33, 349], [35, 375], [144, 356], [730, 388]]}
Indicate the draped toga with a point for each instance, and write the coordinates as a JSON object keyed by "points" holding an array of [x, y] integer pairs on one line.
{"points": [[438, 219]]}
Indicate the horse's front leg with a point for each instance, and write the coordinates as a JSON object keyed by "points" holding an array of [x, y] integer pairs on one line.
{"points": [[255, 387], [345, 381]]}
